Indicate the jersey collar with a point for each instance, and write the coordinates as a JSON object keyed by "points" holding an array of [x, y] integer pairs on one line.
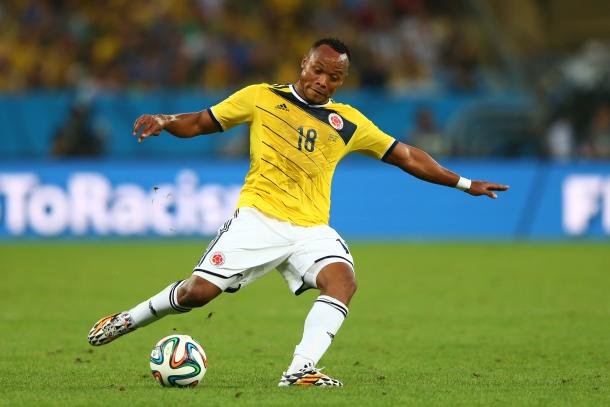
{"points": [[296, 95]]}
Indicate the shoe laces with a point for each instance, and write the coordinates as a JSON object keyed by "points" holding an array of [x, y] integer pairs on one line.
{"points": [[312, 369]]}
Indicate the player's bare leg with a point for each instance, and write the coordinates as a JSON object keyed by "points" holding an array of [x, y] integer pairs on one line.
{"points": [[337, 285], [337, 280], [196, 292], [178, 297]]}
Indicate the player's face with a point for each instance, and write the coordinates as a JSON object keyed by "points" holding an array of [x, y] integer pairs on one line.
{"points": [[322, 72]]}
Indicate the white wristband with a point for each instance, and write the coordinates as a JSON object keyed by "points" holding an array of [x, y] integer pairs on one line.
{"points": [[463, 184]]}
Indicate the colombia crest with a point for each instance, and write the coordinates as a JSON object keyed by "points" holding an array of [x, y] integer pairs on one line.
{"points": [[217, 259], [336, 121]]}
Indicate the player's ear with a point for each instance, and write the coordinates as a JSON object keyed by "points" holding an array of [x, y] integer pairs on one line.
{"points": [[304, 61]]}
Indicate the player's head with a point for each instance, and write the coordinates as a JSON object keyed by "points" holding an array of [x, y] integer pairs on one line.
{"points": [[323, 70]]}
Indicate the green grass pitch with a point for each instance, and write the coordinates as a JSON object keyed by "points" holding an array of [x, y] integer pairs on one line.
{"points": [[502, 324]]}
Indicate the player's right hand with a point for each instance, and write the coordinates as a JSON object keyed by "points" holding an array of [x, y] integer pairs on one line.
{"points": [[149, 124]]}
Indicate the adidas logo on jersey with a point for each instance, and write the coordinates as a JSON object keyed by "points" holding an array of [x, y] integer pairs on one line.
{"points": [[282, 106]]}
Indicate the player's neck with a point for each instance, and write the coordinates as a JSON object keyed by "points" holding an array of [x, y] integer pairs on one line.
{"points": [[299, 91]]}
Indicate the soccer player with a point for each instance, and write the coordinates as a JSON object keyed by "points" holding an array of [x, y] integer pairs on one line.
{"points": [[298, 135]]}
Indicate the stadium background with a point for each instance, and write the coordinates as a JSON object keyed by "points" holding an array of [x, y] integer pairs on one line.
{"points": [[484, 310]]}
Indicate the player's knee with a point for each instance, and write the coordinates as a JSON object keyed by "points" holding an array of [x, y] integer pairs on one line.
{"points": [[349, 285], [343, 287], [196, 292], [338, 281]]}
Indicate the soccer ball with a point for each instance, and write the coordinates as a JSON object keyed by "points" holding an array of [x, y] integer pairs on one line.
{"points": [[178, 361]]}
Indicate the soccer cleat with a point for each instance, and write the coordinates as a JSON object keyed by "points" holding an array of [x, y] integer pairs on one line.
{"points": [[309, 376], [109, 328]]}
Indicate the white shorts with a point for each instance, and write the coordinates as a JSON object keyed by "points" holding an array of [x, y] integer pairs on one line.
{"points": [[251, 244]]}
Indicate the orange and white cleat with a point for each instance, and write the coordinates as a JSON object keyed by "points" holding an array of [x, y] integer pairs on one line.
{"points": [[109, 328], [309, 376]]}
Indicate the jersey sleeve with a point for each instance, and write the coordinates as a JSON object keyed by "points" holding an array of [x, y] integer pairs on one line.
{"points": [[236, 109], [371, 141]]}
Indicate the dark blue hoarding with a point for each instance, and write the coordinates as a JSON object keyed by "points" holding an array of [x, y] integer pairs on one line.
{"points": [[371, 200]]}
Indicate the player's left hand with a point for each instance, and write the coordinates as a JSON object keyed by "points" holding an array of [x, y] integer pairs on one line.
{"points": [[149, 124], [478, 188]]}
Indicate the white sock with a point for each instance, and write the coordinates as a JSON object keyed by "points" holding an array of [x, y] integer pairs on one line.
{"points": [[321, 326], [158, 306]]}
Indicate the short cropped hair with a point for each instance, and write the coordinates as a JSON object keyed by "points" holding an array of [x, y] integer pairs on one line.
{"points": [[335, 44]]}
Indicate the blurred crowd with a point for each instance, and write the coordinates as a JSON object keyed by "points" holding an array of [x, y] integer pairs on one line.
{"points": [[422, 46], [578, 97], [215, 44]]}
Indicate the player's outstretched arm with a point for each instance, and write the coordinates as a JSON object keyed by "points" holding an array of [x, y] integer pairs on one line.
{"points": [[183, 125], [419, 164]]}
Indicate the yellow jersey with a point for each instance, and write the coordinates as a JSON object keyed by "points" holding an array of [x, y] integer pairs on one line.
{"points": [[295, 148]]}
